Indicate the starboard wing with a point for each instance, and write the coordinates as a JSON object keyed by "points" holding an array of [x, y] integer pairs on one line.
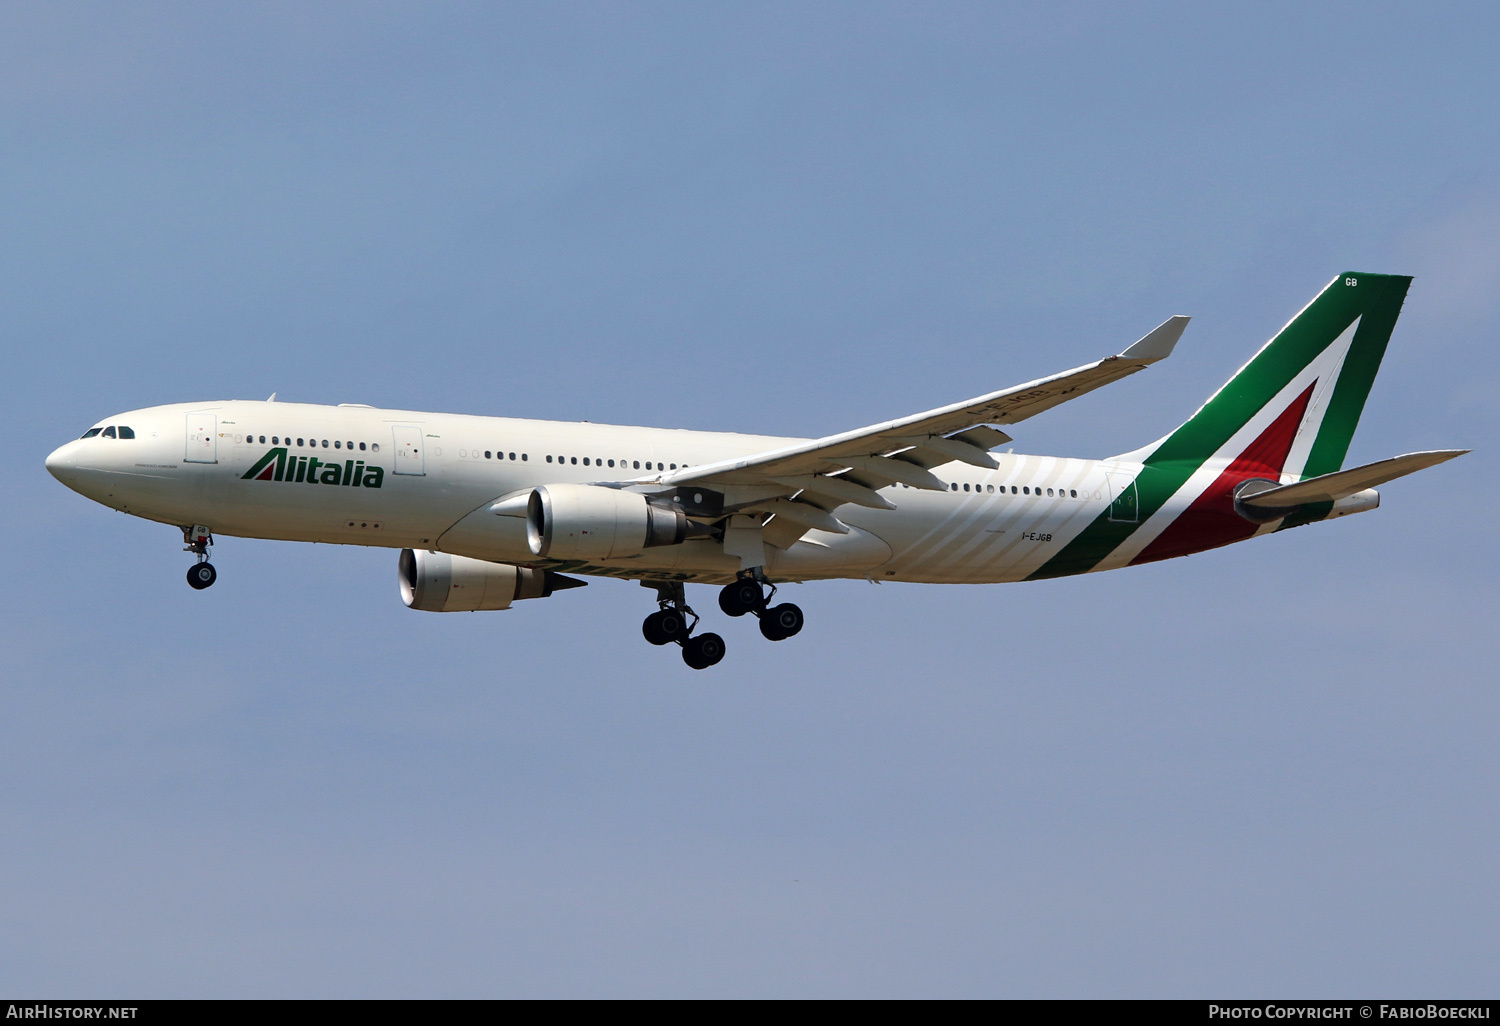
{"points": [[852, 466]]}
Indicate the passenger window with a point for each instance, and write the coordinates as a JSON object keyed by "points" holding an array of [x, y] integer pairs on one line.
{"points": [[274, 441], [512, 455], [325, 443], [91, 432], [524, 457], [674, 466], [585, 461], [126, 432], [1049, 493], [299, 443], [263, 441], [989, 488], [611, 463], [1025, 490], [575, 461], [486, 454], [966, 486], [1072, 493], [549, 459], [637, 464], [336, 445], [955, 486], [361, 446], [374, 446], [109, 432]]}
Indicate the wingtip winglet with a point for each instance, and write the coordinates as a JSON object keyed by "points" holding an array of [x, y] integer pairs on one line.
{"points": [[1159, 342]]}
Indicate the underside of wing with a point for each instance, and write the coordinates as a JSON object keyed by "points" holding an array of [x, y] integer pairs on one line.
{"points": [[796, 489]]}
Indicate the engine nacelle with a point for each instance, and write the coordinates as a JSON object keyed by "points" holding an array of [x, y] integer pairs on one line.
{"points": [[442, 583], [572, 521]]}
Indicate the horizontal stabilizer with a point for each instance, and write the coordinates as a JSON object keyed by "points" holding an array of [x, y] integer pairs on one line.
{"points": [[1331, 487]]}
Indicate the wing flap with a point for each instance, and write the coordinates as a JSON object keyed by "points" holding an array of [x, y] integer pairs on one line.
{"points": [[804, 514], [837, 488], [889, 471]]}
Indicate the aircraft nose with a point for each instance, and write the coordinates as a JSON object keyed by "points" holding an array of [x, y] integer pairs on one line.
{"points": [[60, 464]]}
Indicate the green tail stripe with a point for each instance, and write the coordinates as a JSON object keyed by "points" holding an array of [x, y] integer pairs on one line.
{"points": [[1353, 388], [1376, 298]]}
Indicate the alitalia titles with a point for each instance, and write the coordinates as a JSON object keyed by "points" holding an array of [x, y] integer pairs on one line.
{"points": [[279, 465]]}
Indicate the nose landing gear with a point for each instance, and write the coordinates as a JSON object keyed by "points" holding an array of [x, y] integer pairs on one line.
{"points": [[670, 624], [198, 539]]}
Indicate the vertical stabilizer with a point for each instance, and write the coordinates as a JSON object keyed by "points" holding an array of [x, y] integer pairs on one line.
{"points": [[1287, 415], [1336, 344]]}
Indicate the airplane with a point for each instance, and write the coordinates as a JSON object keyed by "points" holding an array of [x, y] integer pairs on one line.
{"points": [[488, 511]]}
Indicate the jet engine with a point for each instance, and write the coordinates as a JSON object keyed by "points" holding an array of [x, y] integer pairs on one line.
{"points": [[572, 521], [442, 583]]}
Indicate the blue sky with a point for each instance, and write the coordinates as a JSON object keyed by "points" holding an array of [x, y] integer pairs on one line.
{"points": [[1266, 770]]}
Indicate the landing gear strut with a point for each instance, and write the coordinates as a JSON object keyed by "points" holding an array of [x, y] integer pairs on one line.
{"points": [[747, 594], [670, 624], [198, 539]]}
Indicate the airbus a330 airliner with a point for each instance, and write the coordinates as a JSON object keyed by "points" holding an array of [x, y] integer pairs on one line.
{"points": [[490, 510]]}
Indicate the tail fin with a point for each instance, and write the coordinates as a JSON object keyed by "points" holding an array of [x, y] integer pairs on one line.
{"points": [[1307, 386], [1287, 415]]}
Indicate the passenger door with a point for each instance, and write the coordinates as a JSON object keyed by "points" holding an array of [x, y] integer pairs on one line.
{"points": [[1124, 507], [409, 445], [202, 438]]}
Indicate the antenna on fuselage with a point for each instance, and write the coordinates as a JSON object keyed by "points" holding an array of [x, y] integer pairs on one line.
{"points": [[272, 399]]}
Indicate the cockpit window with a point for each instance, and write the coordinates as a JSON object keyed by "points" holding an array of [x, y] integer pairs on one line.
{"points": [[126, 432], [91, 432], [109, 432]]}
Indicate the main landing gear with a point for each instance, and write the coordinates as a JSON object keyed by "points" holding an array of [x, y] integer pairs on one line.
{"points": [[747, 594], [198, 539], [675, 621], [670, 625]]}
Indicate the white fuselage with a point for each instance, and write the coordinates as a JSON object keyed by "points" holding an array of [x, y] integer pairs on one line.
{"points": [[402, 479]]}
